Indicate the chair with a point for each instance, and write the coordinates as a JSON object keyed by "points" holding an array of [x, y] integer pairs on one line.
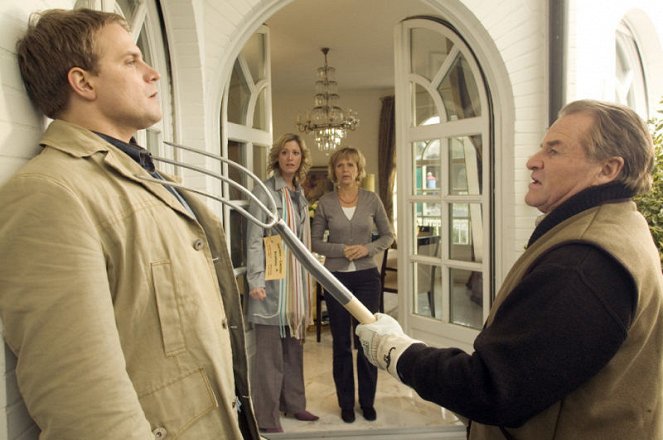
{"points": [[388, 273]]}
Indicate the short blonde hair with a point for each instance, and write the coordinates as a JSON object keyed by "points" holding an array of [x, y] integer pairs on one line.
{"points": [[347, 153], [304, 166]]}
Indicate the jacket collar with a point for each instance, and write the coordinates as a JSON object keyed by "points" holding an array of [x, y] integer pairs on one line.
{"points": [[584, 200], [133, 150], [279, 182], [82, 143]]}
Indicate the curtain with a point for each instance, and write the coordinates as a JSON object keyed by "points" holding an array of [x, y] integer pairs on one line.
{"points": [[387, 154]]}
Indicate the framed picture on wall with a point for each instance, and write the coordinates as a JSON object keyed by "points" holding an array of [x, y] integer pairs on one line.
{"points": [[316, 184]]}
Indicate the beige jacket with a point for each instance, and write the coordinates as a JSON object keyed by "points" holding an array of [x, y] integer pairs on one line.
{"points": [[110, 297]]}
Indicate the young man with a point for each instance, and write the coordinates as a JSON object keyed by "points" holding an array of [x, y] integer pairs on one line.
{"points": [[572, 346], [117, 295]]}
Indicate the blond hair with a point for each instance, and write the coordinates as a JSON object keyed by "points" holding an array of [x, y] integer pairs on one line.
{"points": [[304, 166], [347, 153]]}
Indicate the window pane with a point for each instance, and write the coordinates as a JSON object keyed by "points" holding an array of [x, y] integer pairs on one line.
{"points": [[428, 50], [428, 222], [236, 153], [260, 161], [465, 164], [260, 113], [459, 91], [630, 84], [152, 142], [423, 106], [428, 168], [239, 94], [254, 55], [465, 231], [428, 285], [466, 302], [428, 241], [128, 9]]}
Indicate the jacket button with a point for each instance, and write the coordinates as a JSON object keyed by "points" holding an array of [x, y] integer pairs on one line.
{"points": [[224, 324], [160, 433], [198, 244]]}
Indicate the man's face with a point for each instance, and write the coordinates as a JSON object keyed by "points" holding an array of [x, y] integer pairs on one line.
{"points": [[561, 168], [126, 88]]}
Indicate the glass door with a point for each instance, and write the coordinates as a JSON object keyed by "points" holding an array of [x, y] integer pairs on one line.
{"points": [[443, 119]]}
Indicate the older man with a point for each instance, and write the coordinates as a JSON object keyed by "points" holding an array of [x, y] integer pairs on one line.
{"points": [[572, 346], [117, 295]]}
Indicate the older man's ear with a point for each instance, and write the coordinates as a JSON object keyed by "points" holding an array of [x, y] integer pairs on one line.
{"points": [[610, 170]]}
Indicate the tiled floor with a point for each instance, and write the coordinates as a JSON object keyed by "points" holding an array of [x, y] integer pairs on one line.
{"points": [[397, 405]]}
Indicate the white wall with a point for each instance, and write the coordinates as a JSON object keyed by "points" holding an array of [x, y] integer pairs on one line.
{"points": [[592, 60], [20, 129], [20, 124]]}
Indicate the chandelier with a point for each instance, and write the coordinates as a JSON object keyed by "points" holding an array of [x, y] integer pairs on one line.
{"points": [[327, 121]]}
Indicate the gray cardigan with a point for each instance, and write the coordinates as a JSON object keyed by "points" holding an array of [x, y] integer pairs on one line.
{"points": [[265, 312], [330, 215]]}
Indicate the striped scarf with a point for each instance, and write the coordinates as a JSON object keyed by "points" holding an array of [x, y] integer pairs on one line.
{"points": [[295, 289]]}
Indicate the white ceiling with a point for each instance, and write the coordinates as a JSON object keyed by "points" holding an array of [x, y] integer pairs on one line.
{"points": [[359, 34]]}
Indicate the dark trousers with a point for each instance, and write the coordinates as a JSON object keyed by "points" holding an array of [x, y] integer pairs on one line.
{"points": [[365, 285]]}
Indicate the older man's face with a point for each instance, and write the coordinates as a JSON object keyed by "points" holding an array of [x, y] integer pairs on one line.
{"points": [[561, 168]]}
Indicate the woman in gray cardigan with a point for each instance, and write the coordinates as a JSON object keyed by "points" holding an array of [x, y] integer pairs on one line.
{"points": [[279, 305], [350, 214]]}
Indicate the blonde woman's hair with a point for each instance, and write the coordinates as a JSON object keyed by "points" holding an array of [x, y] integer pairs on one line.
{"points": [[304, 166], [347, 153]]}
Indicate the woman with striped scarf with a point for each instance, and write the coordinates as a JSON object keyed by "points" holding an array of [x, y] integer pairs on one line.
{"points": [[280, 292]]}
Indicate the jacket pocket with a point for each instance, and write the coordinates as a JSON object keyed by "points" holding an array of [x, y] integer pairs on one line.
{"points": [[165, 291], [178, 404]]}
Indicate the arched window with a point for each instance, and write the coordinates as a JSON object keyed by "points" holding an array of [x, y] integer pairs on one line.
{"points": [[444, 180], [246, 134], [630, 84]]}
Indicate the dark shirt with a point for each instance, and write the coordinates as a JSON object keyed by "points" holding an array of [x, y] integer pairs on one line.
{"points": [[133, 150], [561, 325], [144, 159]]}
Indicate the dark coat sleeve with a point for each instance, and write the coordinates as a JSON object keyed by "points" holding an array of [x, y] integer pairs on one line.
{"points": [[561, 325]]}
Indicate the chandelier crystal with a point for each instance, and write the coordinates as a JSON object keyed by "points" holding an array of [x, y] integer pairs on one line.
{"points": [[327, 121]]}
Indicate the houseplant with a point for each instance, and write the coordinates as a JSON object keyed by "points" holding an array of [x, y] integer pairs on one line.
{"points": [[651, 203]]}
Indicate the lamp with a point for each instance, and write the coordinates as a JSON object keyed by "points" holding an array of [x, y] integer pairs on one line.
{"points": [[327, 121]]}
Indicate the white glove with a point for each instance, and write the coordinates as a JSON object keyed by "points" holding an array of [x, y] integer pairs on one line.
{"points": [[383, 342]]}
